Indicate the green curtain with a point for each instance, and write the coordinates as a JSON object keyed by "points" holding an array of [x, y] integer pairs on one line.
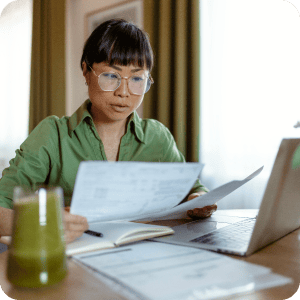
{"points": [[173, 28], [47, 85]]}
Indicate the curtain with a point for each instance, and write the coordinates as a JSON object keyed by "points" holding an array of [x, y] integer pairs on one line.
{"points": [[173, 28], [47, 85]]}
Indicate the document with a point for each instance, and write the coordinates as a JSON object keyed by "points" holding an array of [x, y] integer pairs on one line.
{"points": [[150, 270], [179, 212], [109, 191]]}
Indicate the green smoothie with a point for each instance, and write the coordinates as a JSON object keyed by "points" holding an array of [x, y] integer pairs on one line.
{"points": [[37, 252]]}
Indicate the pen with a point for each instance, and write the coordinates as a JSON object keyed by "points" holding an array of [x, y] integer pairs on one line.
{"points": [[94, 233]]}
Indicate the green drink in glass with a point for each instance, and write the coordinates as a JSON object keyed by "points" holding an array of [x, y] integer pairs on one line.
{"points": [[37, 251]]}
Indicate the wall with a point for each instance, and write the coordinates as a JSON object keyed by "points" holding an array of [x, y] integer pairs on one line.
{"points": [[76, 91]]}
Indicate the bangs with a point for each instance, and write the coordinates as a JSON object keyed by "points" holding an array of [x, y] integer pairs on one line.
{"points": [[123, 44], [128, 51]]}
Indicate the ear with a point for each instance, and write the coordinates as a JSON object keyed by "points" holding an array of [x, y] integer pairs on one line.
{"points": [[85, 72]]}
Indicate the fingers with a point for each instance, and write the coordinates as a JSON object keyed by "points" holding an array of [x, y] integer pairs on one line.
{"points": [[204, 212], [200, 213], [192, 196], [195, 195], [74, 226]]}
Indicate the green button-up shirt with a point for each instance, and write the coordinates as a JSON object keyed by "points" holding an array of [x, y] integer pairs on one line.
{"points": [[52, 152]]}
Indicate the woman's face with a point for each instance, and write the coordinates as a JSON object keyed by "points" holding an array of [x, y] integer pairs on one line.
{"points": [[112, 106]]}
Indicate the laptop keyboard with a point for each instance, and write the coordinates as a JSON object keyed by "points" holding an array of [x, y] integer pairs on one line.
{"points": [[236, 235]]}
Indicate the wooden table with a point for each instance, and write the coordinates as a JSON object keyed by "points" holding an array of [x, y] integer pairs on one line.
{"points": [[283, 257]]}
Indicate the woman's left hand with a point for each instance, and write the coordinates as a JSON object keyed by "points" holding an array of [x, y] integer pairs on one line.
{"points": [[200, 213]]}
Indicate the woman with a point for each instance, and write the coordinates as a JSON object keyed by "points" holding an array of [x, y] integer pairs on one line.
{"points": [[116, 63]]}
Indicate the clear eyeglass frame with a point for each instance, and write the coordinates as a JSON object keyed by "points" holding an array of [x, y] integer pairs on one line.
{"points": [[149, 82]]}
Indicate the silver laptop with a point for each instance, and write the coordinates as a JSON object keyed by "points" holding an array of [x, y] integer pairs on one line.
{"points": [[279, 214]]}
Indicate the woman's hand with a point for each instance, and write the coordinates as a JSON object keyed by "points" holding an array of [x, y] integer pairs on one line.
{"points": [[200, 213], [74, 225]]}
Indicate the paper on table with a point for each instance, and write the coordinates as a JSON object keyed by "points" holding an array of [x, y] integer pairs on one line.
{"points": [[163, 271], [106, 191], [179, 212]]}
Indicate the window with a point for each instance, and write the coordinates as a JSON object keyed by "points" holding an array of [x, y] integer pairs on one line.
{"points": [[250, 91], [15, 53]]}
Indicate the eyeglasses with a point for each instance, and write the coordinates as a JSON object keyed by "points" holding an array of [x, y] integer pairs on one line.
{"points": [[137, 84]]}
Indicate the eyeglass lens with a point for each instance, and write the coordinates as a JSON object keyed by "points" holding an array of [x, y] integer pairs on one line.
{"points": [[137, 84]]}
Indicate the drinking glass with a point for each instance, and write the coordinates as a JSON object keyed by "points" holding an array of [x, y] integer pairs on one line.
{"points": [[37, 252]]}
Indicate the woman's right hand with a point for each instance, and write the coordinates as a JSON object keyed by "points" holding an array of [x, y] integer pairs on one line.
{"points": [[74, 225]]}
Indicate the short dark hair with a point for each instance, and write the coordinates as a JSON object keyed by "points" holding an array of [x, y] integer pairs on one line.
{"points": [[118, 42]]}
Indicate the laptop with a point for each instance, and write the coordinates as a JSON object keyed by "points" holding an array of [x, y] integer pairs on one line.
{"points": [[278, 215]]}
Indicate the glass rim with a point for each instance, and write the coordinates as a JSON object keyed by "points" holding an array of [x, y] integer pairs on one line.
{"points": [[120, 77], [148, 82], [21, 191], [147, 86]]}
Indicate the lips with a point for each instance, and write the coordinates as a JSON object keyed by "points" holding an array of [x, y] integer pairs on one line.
{"points": [[119, 107]]}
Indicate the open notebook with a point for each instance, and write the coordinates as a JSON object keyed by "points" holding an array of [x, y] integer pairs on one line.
{"points": [[115, 234]]}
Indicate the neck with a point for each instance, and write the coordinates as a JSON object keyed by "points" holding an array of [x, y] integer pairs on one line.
{"points": [[108, 129]]}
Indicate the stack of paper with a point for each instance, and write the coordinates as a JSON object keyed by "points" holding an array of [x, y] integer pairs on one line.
{"points": [[150, 270]]}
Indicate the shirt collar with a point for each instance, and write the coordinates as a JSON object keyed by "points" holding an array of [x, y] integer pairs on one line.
{"points": [[83, 113], [136, 122]]}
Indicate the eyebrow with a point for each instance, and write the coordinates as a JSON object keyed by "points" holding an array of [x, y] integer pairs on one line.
{"points": [[120, 69]]}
